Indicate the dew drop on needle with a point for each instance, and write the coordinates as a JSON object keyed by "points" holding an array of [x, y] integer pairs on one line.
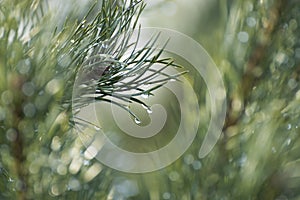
{"points": [[137, 121]]}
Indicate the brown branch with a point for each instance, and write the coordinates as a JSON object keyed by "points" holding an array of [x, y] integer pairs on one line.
{"points": [[17, 146], [250, 78], [257, 56]]}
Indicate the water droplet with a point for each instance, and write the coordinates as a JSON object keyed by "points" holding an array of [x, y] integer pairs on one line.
{"points": [[166, 195], [28, 89], [288, 142], [72, 41], [145, 96], [289, 126], [174, 176], [243, 37], [11, 134], [29, 110], [197, 165], [188, 159], [24, 66], [172, 80], [96, 128], [83, 23], [137, 121], [251, 21], [149, 111], [7, 97], [86, 162], [10, 180]]}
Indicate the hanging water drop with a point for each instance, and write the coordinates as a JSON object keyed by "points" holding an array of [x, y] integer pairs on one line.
{"points": [[137, 121], [197, 165], [166, 195], [147, 108], [243, 37], [86, 162], [149, 111], [145, 96], [251, 21], [83, 23]]}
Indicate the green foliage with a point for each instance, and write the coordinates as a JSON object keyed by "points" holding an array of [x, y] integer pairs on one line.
{"points": [[258, 155], [40, 155], [256, 46], [254, 43]]}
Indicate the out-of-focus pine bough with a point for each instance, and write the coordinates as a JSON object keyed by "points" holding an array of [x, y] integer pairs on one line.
{"points": [[39, 62]]}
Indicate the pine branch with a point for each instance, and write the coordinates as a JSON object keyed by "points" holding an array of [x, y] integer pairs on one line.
{"points": [[39, 63], [107, 74]]}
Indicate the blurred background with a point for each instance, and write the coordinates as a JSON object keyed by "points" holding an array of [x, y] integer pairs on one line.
{"points": [[255, 45]]}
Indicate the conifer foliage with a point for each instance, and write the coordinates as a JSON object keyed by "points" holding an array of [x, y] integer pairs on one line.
{"points": [[256, 47]]}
